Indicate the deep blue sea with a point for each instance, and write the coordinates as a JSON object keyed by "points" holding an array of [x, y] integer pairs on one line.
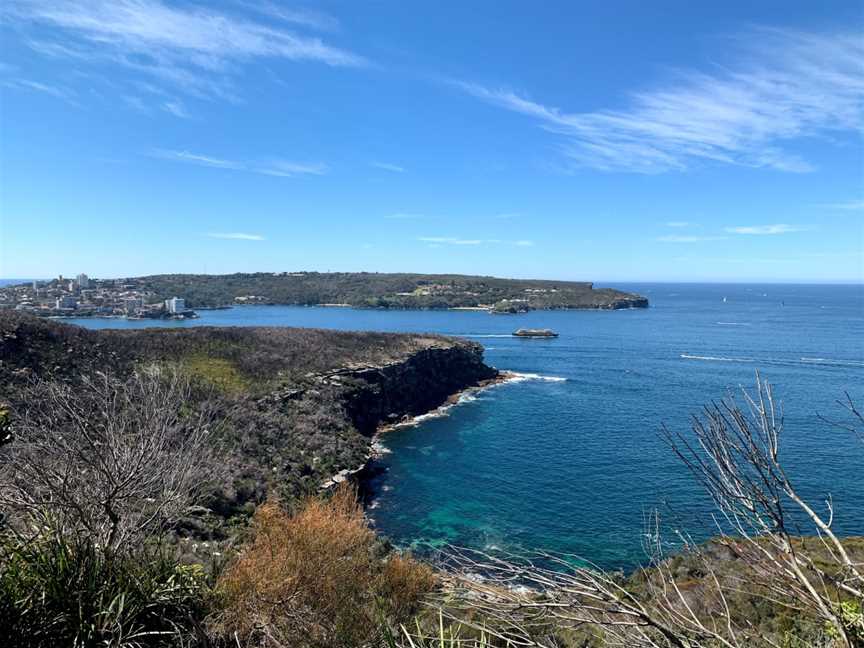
{"points": [[569, 459]]}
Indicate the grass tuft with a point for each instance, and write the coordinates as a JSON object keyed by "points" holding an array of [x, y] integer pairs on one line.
{"points": [[56, 592], [219, 373]]}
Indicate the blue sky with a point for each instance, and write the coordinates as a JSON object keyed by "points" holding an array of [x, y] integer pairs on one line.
{"points": [[677, 141]]}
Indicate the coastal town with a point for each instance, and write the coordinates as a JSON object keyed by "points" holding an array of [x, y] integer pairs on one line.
{"points": [[85, 297]]}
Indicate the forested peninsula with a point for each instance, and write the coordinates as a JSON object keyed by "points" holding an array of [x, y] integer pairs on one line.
{"points": [[386, 290]]}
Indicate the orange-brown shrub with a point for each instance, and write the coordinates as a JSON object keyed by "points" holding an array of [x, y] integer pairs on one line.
{"points": [[316, 580]]}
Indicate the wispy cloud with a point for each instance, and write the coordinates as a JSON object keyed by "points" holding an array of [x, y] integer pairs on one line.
{"points": [[761, 230], [785, 85], [303, 17], [678, 224], [162, 103], [285, 169], [236, 236], [195, 158], [195, 49], [56, 91], [674, 238], [386, 166], [176, 108], [273, 167], [137, 103]]}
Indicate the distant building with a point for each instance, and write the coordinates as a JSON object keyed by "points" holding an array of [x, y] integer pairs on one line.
{"points": [[65, 302], [175, 305], [35, 285], [132, 304], [83, 281]]}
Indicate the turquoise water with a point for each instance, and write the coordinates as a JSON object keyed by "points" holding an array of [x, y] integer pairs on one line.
{"points": [[569, 460]]}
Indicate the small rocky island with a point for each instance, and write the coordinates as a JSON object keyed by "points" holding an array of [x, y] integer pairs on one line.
{"points": [[535, 333]]}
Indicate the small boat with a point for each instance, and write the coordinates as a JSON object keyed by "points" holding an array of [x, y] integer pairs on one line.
{"points": [[535, 333]]}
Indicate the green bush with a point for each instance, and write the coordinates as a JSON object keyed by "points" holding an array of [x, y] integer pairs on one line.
{"points": [[56, 593]]}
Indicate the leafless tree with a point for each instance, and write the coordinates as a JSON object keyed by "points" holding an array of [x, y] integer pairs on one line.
{"points": [[734, 453], [106, 458], [735, 456], [855, 422]]}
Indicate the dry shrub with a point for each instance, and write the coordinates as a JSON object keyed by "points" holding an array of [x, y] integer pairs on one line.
{"points": [[107, 460], [316, 579]]}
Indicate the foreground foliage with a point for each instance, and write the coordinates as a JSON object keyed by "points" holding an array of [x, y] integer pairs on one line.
{"points": [[56, 591], [317, 579]]}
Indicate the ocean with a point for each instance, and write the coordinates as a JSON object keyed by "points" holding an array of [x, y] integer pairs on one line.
{"points": [[569, 459]]}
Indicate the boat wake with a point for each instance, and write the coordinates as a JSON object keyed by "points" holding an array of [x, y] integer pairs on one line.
{"points": [[828, 362], [687, 356], [516, 376], [832, 361]]}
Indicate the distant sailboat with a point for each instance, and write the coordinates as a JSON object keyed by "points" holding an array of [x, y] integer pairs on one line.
{"points": [[724, 300]]}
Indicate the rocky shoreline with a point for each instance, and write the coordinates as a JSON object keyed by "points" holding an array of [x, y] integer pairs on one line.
{"points": [[368, 472], [382, 399], [367, 469]]}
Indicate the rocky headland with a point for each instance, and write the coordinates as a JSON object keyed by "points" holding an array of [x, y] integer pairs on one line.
{"points": [[296, 407]]}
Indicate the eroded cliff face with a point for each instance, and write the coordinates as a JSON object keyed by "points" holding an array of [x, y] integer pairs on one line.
{"points": [[422, 382], [319, 430]]}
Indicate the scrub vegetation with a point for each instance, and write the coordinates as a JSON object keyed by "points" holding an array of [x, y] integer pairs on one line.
{"points": [[317, 579], [289, 407]]}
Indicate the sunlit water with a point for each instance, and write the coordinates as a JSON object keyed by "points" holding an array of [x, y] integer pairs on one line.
{"points": [[573, 462]]}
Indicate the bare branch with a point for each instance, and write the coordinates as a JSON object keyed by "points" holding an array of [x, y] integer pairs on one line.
{"points": [[108, 458]]}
